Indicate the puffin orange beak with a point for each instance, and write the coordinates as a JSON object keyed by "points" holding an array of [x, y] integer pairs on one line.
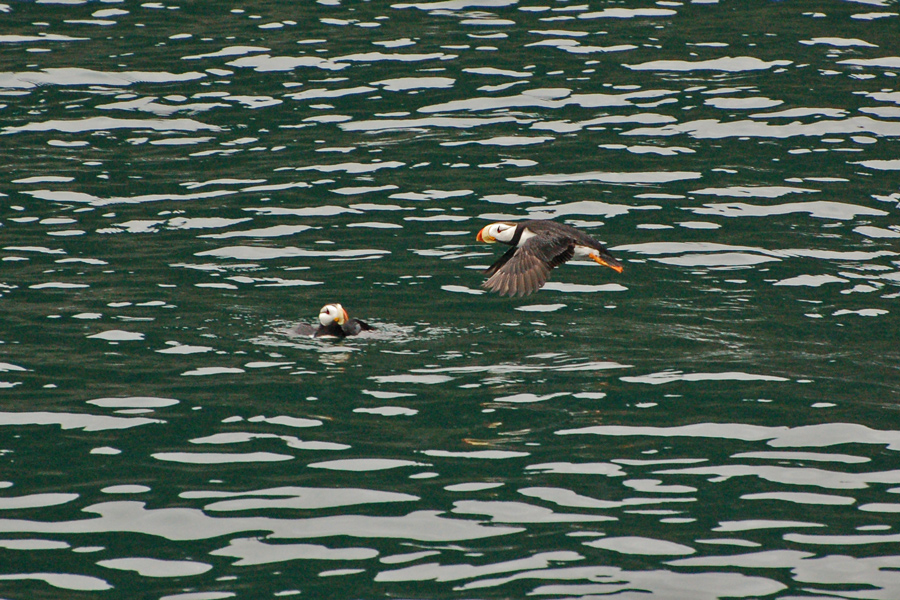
{"points": [[343, 317], [608, 262], [484, 237]]}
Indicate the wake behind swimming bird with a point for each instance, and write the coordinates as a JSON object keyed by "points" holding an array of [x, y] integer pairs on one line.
{"points": [[537, 248]]}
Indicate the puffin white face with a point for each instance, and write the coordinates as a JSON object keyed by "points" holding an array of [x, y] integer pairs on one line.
{"points": [[497, 232], [332, 313]]}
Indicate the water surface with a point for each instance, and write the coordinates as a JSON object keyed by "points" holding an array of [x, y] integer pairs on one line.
{"points": [[186, 182]]}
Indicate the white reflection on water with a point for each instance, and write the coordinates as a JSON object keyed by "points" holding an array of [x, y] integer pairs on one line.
{"points": [[65, 581], [177, 348], [251, 551], [810, 280], [152, 567], [289, 440], [610, 470], [663, 584], [84, 198], [192, 524], [528, 398], [521, 512], [260, 253], [608, 177], [670, 376], [605, 581], [262, 232], [501, 141], [566, 364], [35, 501], [106, 123], [424, 123], [33, 545], [714, 129], [641, 546], [134, 402], [801, 498], [818, 436], [857, 576], [818, 209], [117, 335], [793, 475], [365, 464], [206, 371], [87, 422], [296, 498], [805, 456], [434, 571], [727, 64], [767, 191], [126, 489], [547, 98], [566, 126], [628, 13], [79, 76], [477, 454], [388, 411], [150, 105], [219, 458], [564, 497]]}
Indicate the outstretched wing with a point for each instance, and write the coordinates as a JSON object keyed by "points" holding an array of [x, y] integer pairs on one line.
{"points": [[501, 261], [524, 270]]}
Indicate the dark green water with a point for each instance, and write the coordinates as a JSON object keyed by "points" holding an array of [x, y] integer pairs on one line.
{"points": [[185, 182]]}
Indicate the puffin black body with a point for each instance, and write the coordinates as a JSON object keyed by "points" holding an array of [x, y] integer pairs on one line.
{"points": [[334, 322], [537, 248], [354, 327]]}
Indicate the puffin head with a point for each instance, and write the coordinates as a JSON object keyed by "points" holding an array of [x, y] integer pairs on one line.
{"points": [[333, 313], [497, 232]]}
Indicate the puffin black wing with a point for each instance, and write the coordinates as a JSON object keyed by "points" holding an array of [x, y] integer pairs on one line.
{"points": [[524, 269], [500, 261], [354, 326]]}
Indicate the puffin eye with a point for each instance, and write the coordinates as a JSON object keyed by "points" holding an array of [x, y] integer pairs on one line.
{"points": [[503, 231]]}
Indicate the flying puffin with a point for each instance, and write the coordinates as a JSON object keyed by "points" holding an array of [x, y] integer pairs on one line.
{"points": [[537, 247], [334, 322]]}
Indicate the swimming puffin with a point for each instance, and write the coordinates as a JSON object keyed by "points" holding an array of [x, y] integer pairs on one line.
{"points": [[537, 247], [334, 322]]}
